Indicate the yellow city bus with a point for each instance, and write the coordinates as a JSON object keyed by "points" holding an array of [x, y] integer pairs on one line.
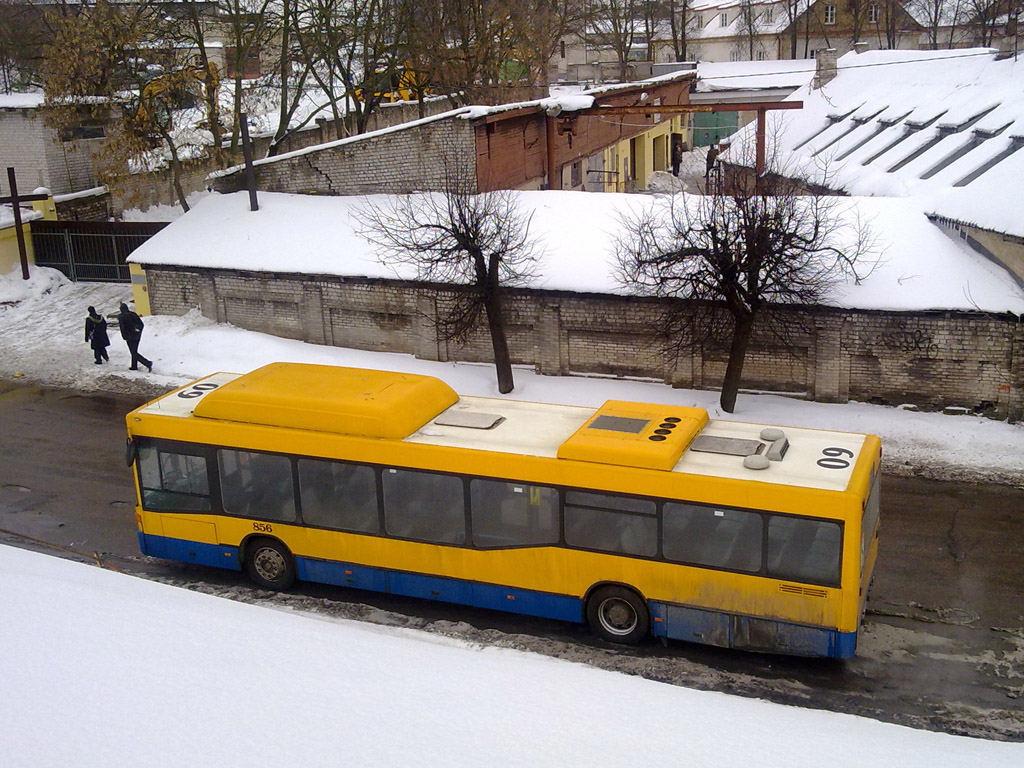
{"points": [[635, 518]]}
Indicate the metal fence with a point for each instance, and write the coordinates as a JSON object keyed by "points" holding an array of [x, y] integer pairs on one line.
{"points": [[90, 250]]}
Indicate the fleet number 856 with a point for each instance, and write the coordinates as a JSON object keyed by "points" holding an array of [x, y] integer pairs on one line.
{"points": [[263, 527]]}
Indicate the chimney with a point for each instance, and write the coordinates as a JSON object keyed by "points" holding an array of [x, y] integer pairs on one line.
{"points": [[826, 68]]}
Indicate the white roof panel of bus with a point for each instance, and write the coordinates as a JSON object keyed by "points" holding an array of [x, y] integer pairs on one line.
{"points": [[537, 429]]}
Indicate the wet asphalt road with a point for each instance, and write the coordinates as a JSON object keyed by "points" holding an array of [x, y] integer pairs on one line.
{"points": [[942, 646]]}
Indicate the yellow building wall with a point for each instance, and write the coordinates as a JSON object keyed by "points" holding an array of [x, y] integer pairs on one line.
{"points": [[10, 258], [650, 151], [140, 290]]}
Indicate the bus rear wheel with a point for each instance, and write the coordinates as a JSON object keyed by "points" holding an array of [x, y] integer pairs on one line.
{"points": [[270, 564], [618, 615]]}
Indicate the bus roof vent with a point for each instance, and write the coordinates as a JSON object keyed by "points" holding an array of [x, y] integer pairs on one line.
{"points": [[635, 435], [469, 419]]}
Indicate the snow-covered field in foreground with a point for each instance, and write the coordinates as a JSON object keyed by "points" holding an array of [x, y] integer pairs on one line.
{"points": [[42, 331], [110, 670]]}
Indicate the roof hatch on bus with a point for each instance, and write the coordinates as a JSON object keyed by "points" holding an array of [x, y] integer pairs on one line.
{"points": [[348, 401], [635, 435]]}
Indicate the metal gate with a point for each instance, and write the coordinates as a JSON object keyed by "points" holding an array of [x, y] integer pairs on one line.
{"points": [[90, 250]]}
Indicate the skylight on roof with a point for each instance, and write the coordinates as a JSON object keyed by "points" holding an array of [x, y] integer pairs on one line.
{"points": [[977, 139], [1016, 143], [909, 129]]}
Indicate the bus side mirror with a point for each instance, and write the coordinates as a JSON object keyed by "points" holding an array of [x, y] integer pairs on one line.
{"points": [[131, 452]]}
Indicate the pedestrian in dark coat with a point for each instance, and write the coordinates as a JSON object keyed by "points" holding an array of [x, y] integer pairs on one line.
{"points": [[131, 326], [96, 335]]}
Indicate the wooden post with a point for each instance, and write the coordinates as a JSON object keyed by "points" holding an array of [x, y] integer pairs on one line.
{"points": [[15, 200], [553, 183], [759, 163], [250, 172]]}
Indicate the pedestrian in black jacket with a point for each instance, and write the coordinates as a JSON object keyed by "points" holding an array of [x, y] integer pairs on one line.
{"points": [[96, 335], [131, 326]]}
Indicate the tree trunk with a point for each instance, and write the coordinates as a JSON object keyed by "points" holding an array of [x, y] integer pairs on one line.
{"points": [[496, 324], [737, 356]]}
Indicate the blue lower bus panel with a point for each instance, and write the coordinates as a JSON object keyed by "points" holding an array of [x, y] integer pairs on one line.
{"points": [[749, 633], [499, 598], [189, 551]]}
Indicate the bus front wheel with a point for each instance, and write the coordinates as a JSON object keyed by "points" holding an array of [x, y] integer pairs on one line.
{"points": [[618, 615], [270, 564]]}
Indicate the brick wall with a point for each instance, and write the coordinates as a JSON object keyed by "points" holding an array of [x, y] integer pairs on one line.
{"points": [[397, 162], [27, 144], [95, 207], [930, 359]]}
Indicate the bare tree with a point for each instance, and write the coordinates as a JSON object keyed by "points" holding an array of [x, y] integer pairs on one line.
{"points": [[476, 243], [678, 20], [723, 262], [749, 26], [22, 36], [614, 24]]}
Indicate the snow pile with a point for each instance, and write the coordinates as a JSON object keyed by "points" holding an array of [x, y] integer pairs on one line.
{"points": [[106, 669]]}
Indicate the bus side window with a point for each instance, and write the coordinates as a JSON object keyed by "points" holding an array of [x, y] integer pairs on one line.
{"points": [[611, 523], [173, 481], [719, 538], [256, 485], [512, 514], [338, 495], [424, 506], [800, 549]]}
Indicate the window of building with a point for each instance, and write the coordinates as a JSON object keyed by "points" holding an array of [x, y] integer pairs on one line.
{"points": [[576, 175], [830, 14], [873, 14], [719, 538], [338, 495], [611, 523], [256, 485], [804, 550], [561, 46], [724, 20], [173, 481], [513, 514], [424, 505], [761, 56], [700, 21], [769, 15]]}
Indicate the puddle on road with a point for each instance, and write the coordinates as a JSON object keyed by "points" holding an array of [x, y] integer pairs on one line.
{"points": [[884, 641]]}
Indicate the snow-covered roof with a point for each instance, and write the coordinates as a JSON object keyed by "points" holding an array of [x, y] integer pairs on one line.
{"points": [[746, 75], [919, 267], [21, 100], [7, 216], [945, 128], [710, 12]]}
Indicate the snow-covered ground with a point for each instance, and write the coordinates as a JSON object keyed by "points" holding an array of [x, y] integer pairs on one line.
{"points": [[105, 669], [42, 340]]}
